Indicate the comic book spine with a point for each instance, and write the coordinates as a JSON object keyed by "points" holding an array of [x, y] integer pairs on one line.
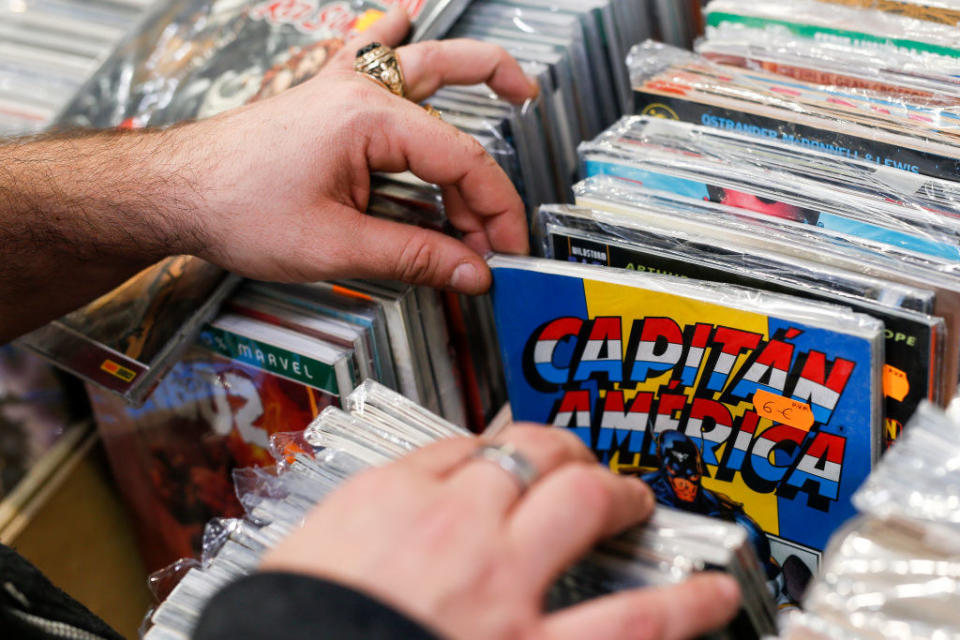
{"points": [[927, 11], [833, 142], [293, 366], [847, 36]]}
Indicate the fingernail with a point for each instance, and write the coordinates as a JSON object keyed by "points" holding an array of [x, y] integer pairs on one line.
{"points": [[464, 277], [534, 86], [644, 489]]}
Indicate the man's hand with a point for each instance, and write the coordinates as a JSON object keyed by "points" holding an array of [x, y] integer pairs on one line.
{"points": [[450, 541], [274, 190], [285, 181]]}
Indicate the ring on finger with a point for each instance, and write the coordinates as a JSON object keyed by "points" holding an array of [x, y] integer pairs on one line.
{"points": [[380, 63], [506, 456]]}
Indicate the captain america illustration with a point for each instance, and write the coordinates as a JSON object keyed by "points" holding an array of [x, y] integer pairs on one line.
{"points": [[677, 483]]}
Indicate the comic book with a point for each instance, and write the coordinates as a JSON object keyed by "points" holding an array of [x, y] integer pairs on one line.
{"points": [[857, 26], [777, 194], [896, 194], [747, 405], [124, 340], [329, 301], [195, 58], [929, 10], [805, 241], [678, 85], [214, 412], [329, 330], [913, 340]]}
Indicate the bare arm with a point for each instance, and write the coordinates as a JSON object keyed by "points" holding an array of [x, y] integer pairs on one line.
{"points": [[274, 190], [79, 215]]}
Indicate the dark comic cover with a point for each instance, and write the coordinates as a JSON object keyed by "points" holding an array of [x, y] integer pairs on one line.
{"points": [[173, 457]]}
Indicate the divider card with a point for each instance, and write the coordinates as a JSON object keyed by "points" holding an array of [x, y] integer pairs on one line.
{"points": [[728, 401]]}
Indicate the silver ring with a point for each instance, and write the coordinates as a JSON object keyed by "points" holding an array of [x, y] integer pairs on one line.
{"points": [[510, 460]]}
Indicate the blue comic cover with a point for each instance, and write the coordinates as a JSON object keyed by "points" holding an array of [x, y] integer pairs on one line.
{"points": [[915, 239], [747, 406]]}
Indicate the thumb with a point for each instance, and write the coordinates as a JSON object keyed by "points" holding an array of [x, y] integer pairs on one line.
{"points": [[378, 248]]}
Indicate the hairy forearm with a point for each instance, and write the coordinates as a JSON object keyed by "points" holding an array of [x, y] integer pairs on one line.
{"points": [[81, 214]]}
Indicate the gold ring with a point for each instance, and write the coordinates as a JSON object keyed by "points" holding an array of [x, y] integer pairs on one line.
{"points": [[379, 63], [429, 109]]}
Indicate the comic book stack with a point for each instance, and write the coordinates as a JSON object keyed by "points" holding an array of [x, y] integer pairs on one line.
{"points": [[767, 280], [49, 48], [894, 571], [197, 58], [277, 355], [272, 360], [380, 426]]}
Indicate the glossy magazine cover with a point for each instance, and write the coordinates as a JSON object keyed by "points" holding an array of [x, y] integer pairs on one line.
{"points": [[912, 344], [174, 456], [700, 389], [195, 58], [125, 339]]}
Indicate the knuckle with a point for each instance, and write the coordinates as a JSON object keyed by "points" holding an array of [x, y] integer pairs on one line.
{"points": [[588, 486], [431, 53], [553, 447], [572, 442], [370, 481], [641, 623], [418, 261], [477, 152], [363, 95], [562, 441], [500, 53]]}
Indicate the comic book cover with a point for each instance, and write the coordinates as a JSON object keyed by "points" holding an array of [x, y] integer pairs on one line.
{"points": [[285, 352], [699, 389], [194, 58], [124, 340], [805, 241], [173, 457], [777, 194], [912, 342]]}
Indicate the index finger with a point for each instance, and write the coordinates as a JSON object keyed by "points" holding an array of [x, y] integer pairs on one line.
{"points": [[567, 512], [427, 66], [401, 136]]}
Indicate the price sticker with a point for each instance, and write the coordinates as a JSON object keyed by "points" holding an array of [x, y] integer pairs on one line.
{"points": [[783, 410], [118, 371], [896, 385]]}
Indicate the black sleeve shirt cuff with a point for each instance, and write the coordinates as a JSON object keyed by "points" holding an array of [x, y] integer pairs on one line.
{"points": [[294, 607]]}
